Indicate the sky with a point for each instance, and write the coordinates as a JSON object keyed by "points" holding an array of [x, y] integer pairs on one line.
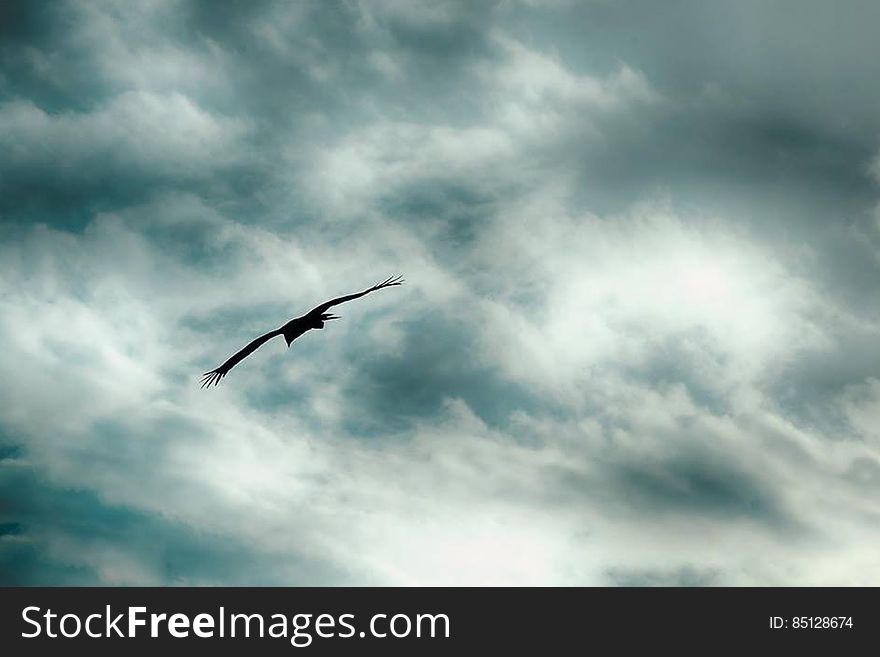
{"points": [[637, 343]]}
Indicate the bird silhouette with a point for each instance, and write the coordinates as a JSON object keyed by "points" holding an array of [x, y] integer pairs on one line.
{"points": [[314, 319]]}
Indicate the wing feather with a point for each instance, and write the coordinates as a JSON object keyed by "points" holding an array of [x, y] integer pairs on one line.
{"points": [[388, 282], [214, 376]]}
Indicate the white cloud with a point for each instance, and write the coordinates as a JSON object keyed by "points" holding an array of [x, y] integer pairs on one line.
{"points": [[862, 406], [529, 105], [531, 88], [136, 48], [611, 290], [644, 433], [450, 499], [164, 134]]}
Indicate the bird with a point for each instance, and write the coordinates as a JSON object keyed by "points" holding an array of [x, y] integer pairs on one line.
{"points": [[314, 319]]}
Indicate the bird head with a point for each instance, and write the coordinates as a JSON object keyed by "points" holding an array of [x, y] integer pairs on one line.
{"points": [[321, 319]]}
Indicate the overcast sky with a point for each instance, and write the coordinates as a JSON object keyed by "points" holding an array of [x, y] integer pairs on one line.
{"points": [[638, 342]]}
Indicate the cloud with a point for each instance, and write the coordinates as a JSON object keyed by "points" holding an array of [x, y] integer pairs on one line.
{"points": [[302, 481], [137, 136], [137, 129], [862, 408], [634, 347], [528, 105], [633, 284]]}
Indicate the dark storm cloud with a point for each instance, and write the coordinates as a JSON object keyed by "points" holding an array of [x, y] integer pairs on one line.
{"points": [[27, 30], [48, 530], [438, 360], [799, 58], [753, 127], [778, 123], [698, 486], [263, 68], [213, 166]]}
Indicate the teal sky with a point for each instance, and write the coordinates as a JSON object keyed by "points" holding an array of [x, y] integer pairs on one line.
{"points": [[638, 340]]}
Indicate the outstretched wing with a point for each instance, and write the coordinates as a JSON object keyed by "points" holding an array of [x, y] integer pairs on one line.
{"points": [[388, 282], [213, 377]]}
